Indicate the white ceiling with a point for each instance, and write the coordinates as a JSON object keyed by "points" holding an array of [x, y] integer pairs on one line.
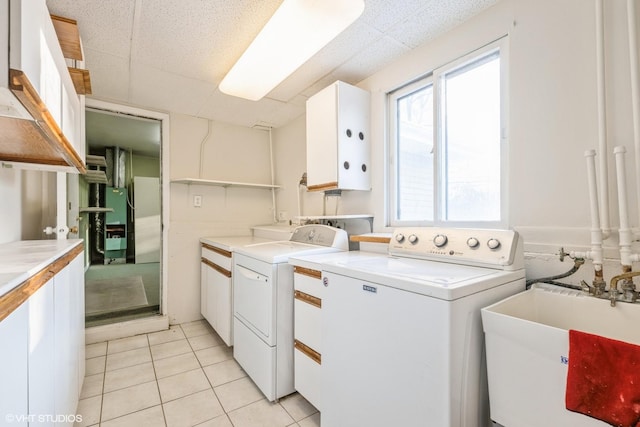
{"points": [[170, 55]]}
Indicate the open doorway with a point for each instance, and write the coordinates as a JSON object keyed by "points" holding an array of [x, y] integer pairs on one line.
{"points": [[123, 232]]}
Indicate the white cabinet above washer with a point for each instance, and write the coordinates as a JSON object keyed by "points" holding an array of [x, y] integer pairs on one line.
{"points": [[338, 139]]}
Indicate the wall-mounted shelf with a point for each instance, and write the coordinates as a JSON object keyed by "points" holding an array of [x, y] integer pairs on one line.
{"points": [[95, 177], [215, 183], [93, 209], [96, 160], [318, 217]]}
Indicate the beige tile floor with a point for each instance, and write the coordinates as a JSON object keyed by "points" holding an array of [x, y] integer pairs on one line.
{"points": [[185, 376]]}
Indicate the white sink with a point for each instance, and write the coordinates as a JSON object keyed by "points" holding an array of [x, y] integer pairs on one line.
{"points": [[527, 344]]}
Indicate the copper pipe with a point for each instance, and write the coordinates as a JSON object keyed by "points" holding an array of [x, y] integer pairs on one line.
{"points": [[613, 291]]}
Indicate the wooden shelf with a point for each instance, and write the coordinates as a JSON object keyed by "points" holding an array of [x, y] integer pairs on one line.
{"points": [[215, 183], [68, 36], [81, 80], [95, 177], [96, 160], [38, 141]]}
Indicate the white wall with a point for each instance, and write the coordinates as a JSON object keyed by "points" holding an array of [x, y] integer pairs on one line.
{"points": [[10, 213], [231, 153], [553, 118]]}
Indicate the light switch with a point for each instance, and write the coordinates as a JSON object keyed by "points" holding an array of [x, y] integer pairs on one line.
{"points": [[197, 201]]}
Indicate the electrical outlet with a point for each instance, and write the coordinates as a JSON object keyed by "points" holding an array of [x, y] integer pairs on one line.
{"points": [[197, 201], [283, 216]]}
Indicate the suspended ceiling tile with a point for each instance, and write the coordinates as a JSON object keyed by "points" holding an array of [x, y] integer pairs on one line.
{"points": [[242, 112], [167, 91], [384, 14], [104, 26], [283, 114], [435, 19], [109, 75], [199, 39], [371, 59], [341, 49]]}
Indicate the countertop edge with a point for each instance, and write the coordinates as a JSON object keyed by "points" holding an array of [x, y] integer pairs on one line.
{"points": [[25, 282]]}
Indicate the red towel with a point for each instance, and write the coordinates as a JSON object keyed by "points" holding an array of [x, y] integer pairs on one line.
{"points": [[603, 380]]}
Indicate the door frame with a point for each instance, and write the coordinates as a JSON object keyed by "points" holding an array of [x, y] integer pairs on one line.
{"points": [[164, 118]]}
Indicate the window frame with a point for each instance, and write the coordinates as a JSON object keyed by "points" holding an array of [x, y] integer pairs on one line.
{"points": [[434, 78]]}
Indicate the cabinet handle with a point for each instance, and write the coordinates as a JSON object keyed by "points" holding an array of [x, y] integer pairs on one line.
{"points": [[216, 267], [222, 252], [308, 351], [309, 299], [307, 272]]}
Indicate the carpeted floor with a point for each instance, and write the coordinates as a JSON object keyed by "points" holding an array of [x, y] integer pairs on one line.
{"points": [[119, 291], [114, 294]]}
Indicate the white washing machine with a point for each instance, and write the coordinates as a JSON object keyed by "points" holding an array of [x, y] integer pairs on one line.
{"points": [[263, 304], [402, 335]]}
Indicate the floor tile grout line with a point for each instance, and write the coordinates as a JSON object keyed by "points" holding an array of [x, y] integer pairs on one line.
{"points": [[155, 374], [104, 378], [206, 377]]}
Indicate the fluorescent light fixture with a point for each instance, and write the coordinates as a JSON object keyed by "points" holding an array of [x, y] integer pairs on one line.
{"points": [[297, 30]]}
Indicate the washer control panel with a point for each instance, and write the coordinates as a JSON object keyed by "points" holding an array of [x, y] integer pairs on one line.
{"points": [[487, 247], [321, 235]]}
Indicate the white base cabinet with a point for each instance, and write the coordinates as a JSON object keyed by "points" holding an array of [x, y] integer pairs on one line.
{"points": [[308, 333], [216, 291], [14, 371], [42, 363]]}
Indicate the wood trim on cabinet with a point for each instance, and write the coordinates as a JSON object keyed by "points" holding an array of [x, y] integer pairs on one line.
{"points": [[217, 250], [81, 80], [68, 36], [13, 299], [370, 239], [307, 272], [323, 187], [28, 96], [309, 299], [216, 267], [308, 351]]}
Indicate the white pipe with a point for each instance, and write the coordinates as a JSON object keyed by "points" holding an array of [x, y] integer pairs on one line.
{"points": [[635, 93], [596, 232], [202, 143], [299, 202], [273, 190], [626, 257], [602, 122]]}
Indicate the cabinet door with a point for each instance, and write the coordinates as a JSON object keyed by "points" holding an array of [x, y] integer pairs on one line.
{"points": [[42, 375], [76, 285], [221, 303], [204, 291], [14, 333], [66, 341]]}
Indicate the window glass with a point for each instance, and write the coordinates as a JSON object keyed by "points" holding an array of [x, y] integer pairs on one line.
{"points": [[471, 141], [446, 149], [415, 155]]}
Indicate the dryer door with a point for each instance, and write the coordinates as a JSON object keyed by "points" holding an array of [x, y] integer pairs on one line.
{"points": [[254, 300]]}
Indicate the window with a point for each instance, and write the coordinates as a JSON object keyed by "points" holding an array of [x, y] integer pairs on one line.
{"points": [[446, 146]]}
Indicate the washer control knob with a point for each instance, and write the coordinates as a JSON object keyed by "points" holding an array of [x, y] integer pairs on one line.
{"points": [[440, 240], [413, 239], [493, 243], [472, 242], [399, 237]]}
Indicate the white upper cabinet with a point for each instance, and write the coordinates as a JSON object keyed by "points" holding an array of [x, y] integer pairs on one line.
{"points": [[40, 111], [338, 139]]}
